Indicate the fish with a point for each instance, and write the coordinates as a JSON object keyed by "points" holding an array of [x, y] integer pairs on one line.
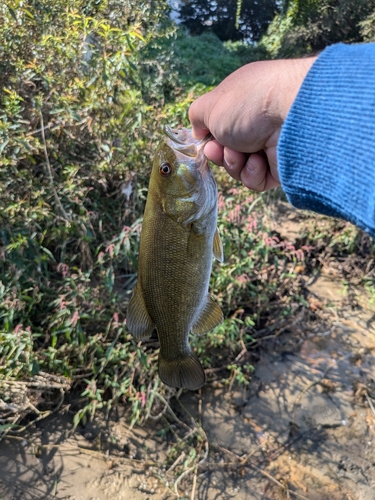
{"points": [[179, 237]]}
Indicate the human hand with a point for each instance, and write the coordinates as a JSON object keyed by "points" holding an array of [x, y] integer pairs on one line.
{"points": [[245, 114]]}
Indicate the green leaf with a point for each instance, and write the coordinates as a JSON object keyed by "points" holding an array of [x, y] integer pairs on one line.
{"points": [[3, 145], [46, 251], [25, 144], [28, 13], [138, 35], [12, 12]]}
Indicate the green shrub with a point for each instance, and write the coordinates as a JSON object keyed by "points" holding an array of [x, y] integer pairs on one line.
{"points": [[202, 59], [84, 90], [80, 113], [310, 26]]}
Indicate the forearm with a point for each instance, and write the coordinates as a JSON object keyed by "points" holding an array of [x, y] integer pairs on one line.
{"points": [[326, 151]]}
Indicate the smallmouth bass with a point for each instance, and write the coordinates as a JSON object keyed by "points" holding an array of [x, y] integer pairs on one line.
{"points": [[178, 239]]}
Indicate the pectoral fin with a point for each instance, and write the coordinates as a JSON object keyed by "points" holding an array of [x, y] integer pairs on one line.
{"points": [[218, 247], [138, 320], [210, 317]]}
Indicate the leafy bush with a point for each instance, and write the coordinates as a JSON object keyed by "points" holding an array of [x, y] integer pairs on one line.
{"points": [[202, 59], [310, 26], [247, 53], [229, 20], [80, 115], [84, 89], [367, 27]]}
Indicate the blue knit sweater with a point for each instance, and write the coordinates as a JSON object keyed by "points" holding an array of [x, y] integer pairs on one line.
{"points": [[326, 150]]}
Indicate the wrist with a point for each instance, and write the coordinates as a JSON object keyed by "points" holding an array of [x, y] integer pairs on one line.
{"points": [[288, 79]]}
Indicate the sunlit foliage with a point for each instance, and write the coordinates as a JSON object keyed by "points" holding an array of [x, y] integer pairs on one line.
{"points": [[310, 26]]}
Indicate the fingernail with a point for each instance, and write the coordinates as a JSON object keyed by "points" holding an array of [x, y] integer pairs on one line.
{"points": [[228, 160]]}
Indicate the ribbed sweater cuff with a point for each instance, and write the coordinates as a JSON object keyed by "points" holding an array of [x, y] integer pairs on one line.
{"points": [[326, 151]]}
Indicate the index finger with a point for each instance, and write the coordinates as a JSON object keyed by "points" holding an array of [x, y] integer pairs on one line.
{"points": [[198, 112]]}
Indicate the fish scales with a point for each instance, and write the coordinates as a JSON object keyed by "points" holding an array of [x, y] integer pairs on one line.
{"points": [[178, 239], [174, 278]]}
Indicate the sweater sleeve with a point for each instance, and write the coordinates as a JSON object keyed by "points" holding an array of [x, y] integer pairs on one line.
{"points": [[326, 151]]}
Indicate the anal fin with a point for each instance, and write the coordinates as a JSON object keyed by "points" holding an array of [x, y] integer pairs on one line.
{"points": [[211, 316], [218, 247], [138, 320]]}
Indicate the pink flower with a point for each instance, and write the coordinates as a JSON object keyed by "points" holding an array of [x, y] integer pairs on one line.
{"points": [[63, 269], [235, 191], [143, 399], [221, 202], [74, 319], [252, 223], [62, 304], [243, 280], [271, 241], [110, 249], [235, 214]]}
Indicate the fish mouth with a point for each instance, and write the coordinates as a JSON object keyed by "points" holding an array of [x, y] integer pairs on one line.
{"points": [[182, 140]]}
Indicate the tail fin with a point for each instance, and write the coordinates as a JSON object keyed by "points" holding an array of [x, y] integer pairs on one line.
{"points": [[186, 373]]}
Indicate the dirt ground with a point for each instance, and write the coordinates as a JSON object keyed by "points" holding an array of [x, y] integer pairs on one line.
{"points": [[303, 428]]}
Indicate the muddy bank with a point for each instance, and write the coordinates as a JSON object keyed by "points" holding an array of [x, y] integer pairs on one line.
{"points": [[304, 427]]}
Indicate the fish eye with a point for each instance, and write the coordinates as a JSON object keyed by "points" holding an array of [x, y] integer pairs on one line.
{"points": [[165, 169]]}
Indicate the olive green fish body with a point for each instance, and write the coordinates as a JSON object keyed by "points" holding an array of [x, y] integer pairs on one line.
{"points": [[178, 239]]}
